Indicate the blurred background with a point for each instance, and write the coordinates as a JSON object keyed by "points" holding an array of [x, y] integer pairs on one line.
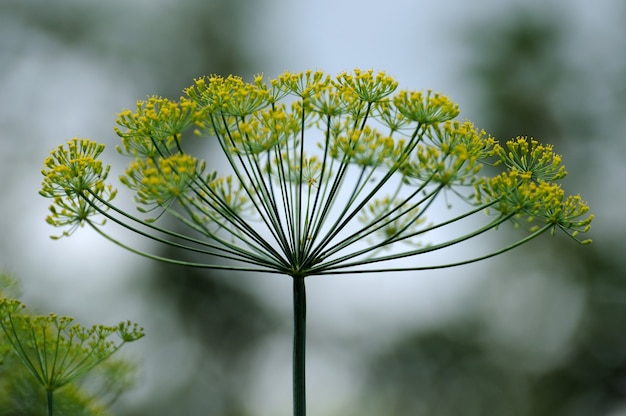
{"points": [[539, 331]]}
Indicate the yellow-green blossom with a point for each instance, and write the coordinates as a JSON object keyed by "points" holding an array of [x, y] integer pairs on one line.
{"points": [[426, 108], [453, 155], [74, 178], [155, 128], [367, 147], [368, 86], [303, 84], [531, 159], [161, 181], [267, 130], [309, 156], [229, 96]]}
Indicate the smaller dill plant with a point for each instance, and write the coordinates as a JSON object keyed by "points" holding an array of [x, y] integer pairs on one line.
{"points": [[56, 352]]}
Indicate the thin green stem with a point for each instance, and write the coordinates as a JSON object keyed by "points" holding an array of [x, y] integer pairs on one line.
{"points": [[323, 184], [299, 346], [343, 219], [264, 268], [383, 221], [14, 338], [49, 393], [299, 240], [238, 252], [57, 348], [342, 264], [336, 271], [267, 206]]}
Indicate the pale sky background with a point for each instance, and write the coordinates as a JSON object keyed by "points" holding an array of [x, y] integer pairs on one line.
{"points": [[49, 95]]}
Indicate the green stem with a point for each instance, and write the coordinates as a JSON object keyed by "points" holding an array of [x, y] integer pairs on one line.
{"points": [[332, 271], [186, 263], [49, 393], [299, 344]]}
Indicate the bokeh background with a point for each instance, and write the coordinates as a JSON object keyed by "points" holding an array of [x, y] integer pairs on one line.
{"points": [[539, 331]]}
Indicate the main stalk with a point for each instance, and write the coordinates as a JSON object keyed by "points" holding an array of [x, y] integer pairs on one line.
{"points": [[299, 345]]}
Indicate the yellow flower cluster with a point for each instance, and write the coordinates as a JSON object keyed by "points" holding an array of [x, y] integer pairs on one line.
{"points": [[367, 86], [532, 159], [155, 128], [426, 108], [273, 128], [517, 194], [75, 179], [528, 190], [161, 181], [364, 147], [229, 96], [295, 146], [454, 155]]}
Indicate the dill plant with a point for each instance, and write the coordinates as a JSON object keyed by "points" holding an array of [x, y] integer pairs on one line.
{"points": [[327, 176], [57, 352]]}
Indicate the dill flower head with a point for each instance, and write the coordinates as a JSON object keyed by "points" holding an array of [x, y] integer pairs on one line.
{"points": [[74, 178], [54, 349], [323, 175]]}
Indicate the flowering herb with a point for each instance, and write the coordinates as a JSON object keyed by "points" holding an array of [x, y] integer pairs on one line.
{"points": [[327, 175], [55, 350]]}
